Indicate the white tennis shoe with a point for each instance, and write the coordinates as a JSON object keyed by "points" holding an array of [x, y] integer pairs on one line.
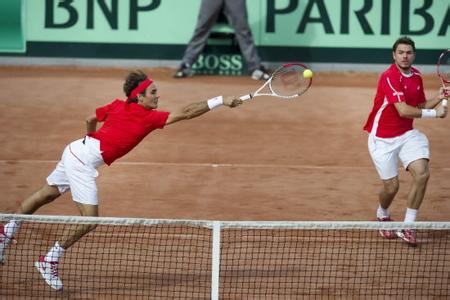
{"points": [[408, 235], [4, 243], [49, 271], [387, 234]]}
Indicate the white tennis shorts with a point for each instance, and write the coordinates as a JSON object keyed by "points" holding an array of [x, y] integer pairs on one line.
{"points": [[77, 170], [385, 152]]}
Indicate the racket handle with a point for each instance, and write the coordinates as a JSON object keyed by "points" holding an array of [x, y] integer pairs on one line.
{"points": [[246, 97], [444, 102]]}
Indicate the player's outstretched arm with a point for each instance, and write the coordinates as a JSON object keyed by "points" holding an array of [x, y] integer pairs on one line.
{"points": [[194, 110]]}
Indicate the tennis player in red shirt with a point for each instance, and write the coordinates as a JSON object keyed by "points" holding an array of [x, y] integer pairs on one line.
{"points": [[125, 124], [399, 99]]}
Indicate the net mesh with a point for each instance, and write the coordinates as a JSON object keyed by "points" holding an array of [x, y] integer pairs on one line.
{"points": [[288, 81], [172, 259], [444, 66], [330, 264], [161, 261]]}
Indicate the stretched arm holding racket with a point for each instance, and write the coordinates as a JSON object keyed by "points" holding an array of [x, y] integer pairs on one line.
{"points": [[196, 109], [287, 82]]}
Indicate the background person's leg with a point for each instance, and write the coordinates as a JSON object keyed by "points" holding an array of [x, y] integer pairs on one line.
{"points": [[236, 12], [209, 12]]}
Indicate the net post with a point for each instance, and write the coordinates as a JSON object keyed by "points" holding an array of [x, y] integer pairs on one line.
{"points": [[215, 261]]}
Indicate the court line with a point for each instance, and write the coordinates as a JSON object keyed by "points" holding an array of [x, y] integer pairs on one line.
{"points": [[210, 165]]}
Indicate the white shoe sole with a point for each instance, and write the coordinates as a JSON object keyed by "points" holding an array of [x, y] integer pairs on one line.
{"points": [[400, 235], [3, 246], [48, 281]]}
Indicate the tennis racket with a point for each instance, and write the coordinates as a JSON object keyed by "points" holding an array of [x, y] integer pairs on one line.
{"points": [[443, 71], [287, 82]]}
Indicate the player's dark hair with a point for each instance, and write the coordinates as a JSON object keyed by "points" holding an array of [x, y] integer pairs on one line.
{"points": [[132, 81], [404, 40]]}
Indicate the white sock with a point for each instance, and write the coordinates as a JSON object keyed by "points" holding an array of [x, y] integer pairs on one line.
{"points": [[55, 253], [410, 215], [382, 212], [11, 228]]}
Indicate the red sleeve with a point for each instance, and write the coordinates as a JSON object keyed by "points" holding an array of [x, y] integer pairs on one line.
{"points": [[424, 99], [102, 112], [392, 87], [159, 118]]}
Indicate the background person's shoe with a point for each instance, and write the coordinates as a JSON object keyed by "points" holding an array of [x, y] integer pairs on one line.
{"points": [[260, 74], [183, 72]]}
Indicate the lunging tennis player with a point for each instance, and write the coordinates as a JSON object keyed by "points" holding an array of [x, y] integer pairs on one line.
{"points": [[399, 99], [125, 124]]}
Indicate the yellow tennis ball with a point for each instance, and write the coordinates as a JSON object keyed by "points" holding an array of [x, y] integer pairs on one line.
{"points": [[308, 73]]}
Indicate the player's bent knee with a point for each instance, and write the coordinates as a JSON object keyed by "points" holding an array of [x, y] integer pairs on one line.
{"points": [[391, 187], [391, 190], [422, 178]]}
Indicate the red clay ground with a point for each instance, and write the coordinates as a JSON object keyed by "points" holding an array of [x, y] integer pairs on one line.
{"points": [[277, 160], [266, 160]]}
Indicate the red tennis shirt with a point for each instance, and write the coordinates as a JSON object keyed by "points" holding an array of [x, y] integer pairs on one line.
{"points": [[125, 125], [393, 86]]}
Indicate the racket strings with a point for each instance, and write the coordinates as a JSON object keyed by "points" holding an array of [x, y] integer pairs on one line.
{"points": [[289, 81]]}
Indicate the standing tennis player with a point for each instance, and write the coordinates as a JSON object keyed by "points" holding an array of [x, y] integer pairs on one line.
{"points": [[125, 124], [399, 99]]}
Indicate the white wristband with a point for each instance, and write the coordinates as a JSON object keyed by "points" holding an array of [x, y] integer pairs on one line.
{"points": [[428, 113], [444, 102], [214, 102]]}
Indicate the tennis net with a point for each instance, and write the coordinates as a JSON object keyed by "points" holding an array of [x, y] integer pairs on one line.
{"points": [[183, 259]]}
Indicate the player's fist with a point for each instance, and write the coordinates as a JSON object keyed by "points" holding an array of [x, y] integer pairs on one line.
{"points": [[231, 101], [441, 110], [444, 92]]}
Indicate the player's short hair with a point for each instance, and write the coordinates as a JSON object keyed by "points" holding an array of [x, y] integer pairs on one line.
{"points": [[132, 81], [404, 40]]}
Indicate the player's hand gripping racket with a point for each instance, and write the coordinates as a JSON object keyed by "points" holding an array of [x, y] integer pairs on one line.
{"points": [[288, 81], [443, 71]]}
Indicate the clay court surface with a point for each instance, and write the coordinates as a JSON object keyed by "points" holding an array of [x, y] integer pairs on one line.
{"points": [[269, 159]]}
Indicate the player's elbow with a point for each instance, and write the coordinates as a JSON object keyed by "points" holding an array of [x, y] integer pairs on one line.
{"points": [[404, 112], [175, 117], [91, 119]]}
